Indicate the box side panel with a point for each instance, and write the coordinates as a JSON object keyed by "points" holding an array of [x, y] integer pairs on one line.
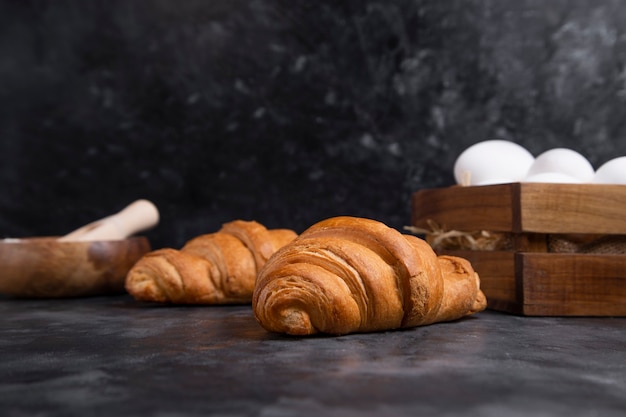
{"points": [[573, 284]]}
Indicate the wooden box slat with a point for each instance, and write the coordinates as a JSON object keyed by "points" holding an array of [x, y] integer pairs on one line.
{"points": [[571, 208], [524, 207], [465, 208], [556, 284]]}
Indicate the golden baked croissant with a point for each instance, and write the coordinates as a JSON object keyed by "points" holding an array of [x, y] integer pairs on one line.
{"points": [[215, 268], [347, 274]]}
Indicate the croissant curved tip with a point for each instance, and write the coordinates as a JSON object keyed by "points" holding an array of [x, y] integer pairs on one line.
{"points": [[480, 303], [142, 286], [296, 322], [144, 278]]}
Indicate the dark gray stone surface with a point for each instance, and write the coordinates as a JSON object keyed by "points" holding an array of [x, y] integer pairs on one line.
{"points": [[114, 356], [287, 112]]}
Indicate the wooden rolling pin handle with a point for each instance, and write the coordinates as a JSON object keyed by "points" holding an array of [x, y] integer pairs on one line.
{"points": [[136, 217]]}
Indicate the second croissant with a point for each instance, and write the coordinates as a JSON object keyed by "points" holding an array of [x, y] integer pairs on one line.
{"points": [[215, 268]]}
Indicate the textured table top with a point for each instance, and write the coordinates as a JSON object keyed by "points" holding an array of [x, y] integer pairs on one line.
{"points": [[116, 356]]}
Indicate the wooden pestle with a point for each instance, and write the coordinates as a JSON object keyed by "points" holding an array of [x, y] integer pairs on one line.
{"points": [[136, 217]]}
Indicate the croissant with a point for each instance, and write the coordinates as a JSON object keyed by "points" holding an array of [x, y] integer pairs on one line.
{"points": [[348, 274], [215, 268]]}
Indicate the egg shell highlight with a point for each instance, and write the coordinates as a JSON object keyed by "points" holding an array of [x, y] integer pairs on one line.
{"points": [[552, 177]]}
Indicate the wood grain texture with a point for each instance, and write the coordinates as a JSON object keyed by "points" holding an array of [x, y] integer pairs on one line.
{"points": [[572, 208], [572, 284], [465, 208], [524, 208], [44, 267]]}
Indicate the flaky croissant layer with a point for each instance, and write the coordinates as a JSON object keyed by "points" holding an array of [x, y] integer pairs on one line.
{"points": [[349, 274]]}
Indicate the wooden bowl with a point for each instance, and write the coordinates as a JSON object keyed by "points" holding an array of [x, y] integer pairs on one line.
{"points": [[44, 267]]}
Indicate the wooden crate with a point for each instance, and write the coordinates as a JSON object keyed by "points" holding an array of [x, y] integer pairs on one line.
{"points": [[528, 278]]}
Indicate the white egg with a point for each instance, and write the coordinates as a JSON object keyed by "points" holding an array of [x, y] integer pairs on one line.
{"points": [[564, 161], [492, 162], [552, 177], [493, 180], [612, 172]]}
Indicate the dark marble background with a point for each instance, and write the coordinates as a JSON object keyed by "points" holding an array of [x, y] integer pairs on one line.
{"points": [[287, 112]]}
